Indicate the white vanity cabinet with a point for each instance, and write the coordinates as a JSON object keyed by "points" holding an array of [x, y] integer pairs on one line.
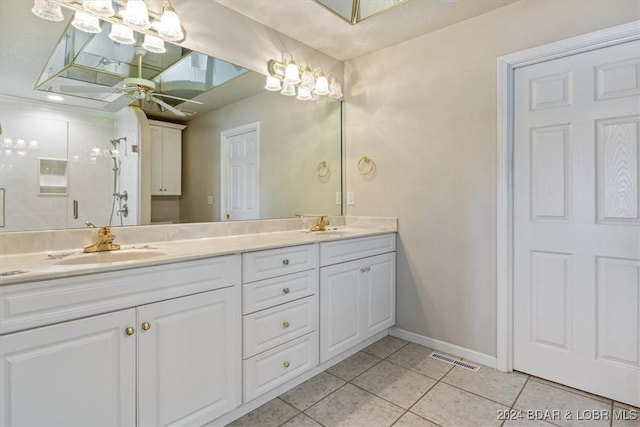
{"points": [[165, 360], [357, 291], [280, 316], [166, 158]]}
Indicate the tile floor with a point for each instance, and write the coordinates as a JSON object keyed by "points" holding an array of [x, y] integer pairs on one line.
{"points": [[396, 383]]}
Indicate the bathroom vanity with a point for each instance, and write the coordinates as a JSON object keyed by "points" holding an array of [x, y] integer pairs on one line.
{"points": [[203, 332]]}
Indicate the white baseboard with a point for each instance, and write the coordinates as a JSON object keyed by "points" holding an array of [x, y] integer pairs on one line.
{"points": [[455, 350]]}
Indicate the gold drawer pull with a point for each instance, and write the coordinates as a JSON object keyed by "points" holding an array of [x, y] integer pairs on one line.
{"points": [[286, 364], [365, 269], [285, 261], [129, 331], [285, 324], [286, 291], [146, 326]]}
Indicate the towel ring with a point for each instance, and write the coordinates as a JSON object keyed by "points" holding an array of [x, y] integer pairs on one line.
{"points": [[323, 169], [366, 165]]}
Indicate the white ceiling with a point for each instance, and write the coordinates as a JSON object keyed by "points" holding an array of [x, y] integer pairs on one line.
{"points": [[315, 26]]}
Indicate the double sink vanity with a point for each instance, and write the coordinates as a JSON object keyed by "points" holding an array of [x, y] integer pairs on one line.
{"points": [[188, 324]]}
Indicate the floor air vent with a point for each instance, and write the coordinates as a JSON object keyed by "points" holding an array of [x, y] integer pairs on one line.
{"points": [[452, 361]]}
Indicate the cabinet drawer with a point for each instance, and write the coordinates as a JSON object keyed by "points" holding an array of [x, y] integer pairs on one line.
{"points": [[24, 306], [271, 292], [268, 328], [276, 262], [274, 367], [350, 249]]}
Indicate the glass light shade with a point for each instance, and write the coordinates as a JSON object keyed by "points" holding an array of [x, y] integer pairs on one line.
{"points": [[47, 10], [292, 74], [21, 144], [335, 90], [169, 27], [322, 86], [153, 44], [99, 7], [7, 142], [121, 34], [288, 90], [87, 23], [34, 145], [303, 94], [136, 15], [273, 84], [307, 80]]}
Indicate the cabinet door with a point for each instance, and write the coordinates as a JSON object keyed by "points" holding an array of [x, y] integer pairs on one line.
{"points": [[380, 293], [189, 370], [78, 373], [341, 308], [156, 161], [171, 162]]}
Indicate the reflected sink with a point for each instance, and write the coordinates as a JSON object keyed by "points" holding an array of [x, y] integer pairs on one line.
{"points": [[110, 257]]}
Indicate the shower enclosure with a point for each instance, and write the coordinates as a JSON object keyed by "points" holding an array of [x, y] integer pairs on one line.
{"points": [[63, 167]]}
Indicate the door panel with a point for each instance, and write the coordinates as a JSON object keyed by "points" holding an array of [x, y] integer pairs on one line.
{"points": [[78, 373], [576, 221]]}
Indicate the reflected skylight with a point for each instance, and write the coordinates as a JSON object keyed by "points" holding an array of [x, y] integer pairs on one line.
{"points": [[355, 11]]}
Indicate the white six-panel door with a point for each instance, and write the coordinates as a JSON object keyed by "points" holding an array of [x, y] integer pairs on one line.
{"points": [[240, 172], [577, 221]]}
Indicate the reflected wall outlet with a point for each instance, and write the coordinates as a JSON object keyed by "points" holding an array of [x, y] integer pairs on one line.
{"points": [[351, 198], [209, 200], [338, 198]]}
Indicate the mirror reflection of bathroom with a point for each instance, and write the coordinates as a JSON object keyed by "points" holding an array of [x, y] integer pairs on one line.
{"points": [[99, 181]]}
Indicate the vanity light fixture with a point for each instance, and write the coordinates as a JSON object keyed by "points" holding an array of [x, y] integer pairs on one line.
{"points": [[131, 15], [99, 7], [48, 10], [291, 80]]}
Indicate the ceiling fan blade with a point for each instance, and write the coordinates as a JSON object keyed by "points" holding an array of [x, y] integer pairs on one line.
{"points": [[178, 98], [118, 104], [88, 89], [167, 106]]}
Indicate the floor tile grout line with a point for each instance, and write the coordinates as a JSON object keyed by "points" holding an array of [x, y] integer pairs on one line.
{"points": [[569, 389], [315, 404], [473, 393], [379, 397], [520, 393], [286, 403], [421, 373]]}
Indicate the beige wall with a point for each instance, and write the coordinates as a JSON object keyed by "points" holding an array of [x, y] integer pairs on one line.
{"points": [[425, 111], [294, 137]]}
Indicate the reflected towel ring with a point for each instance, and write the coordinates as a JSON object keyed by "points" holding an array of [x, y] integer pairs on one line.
{"points": [[366, 165], [323, 169]]}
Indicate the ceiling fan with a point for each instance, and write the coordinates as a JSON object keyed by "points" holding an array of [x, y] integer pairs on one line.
{"points": [[133, 89]]}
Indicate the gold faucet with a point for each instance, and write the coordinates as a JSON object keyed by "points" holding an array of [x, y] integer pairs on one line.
{"points": [[105, 241], [321, 224]]}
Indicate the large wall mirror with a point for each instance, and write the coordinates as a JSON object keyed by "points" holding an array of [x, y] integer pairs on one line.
{"points": [[246, 153]]}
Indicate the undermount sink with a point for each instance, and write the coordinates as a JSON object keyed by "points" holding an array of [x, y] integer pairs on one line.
{"points": [[110, 257], [331, 233]]}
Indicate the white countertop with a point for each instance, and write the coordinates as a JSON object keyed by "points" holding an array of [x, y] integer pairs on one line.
{"points": [[50, 265]]}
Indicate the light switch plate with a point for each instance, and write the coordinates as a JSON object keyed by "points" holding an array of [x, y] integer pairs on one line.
{"points": [[351, 198]]}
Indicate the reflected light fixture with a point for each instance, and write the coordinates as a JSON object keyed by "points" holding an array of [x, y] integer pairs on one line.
{"points": [[86, 22], [153, 44], [121, 34], [285, 76], [56, 98]]}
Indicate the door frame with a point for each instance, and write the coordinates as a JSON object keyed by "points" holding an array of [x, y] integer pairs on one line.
{"points": [[506, 66], [225, 135]]}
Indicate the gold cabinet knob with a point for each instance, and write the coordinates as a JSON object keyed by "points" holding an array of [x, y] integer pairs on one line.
{"points": [[285, 262], [286, 291], [129, 331], [285, 324], [363, 269], [146, 326], [286, 364]]}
